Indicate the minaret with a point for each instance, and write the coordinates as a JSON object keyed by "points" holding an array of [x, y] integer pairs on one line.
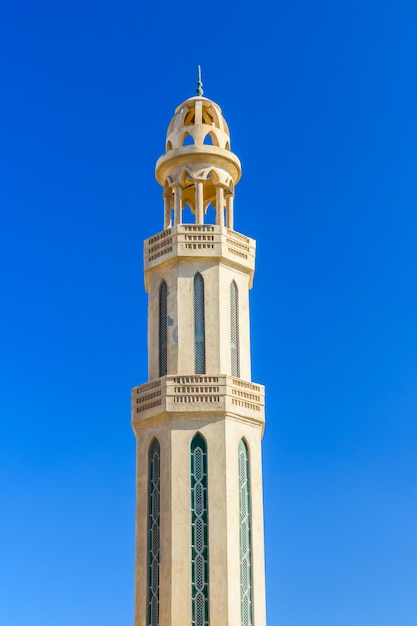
{"points": [[199, 420]]}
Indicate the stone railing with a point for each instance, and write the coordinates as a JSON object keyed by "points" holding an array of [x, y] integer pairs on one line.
{"points": [[199, 240], [203, 394]]}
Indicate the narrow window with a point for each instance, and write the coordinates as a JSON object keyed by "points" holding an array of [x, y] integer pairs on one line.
{"points": [[199, 330], [246, 609], [163, 329], [199, 534], [234, 328], [153, 534]]}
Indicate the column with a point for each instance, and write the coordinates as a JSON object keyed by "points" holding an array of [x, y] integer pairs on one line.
{"points": [[167, 208], [220, 205], [229, 211], [178, 204], [199, 202]]}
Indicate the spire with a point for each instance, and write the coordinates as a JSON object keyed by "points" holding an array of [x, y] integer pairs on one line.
{"points": [[199, 91]]}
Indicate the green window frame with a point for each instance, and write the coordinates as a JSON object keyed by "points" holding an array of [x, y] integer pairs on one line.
{"points": [[199, 326], [199, 533]]}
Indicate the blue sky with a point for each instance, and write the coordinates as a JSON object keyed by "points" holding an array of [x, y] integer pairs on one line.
{"points": [[321, 102]]}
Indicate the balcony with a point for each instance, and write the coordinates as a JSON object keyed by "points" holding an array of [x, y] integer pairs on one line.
{"points": [[200, 240], [182, 396]]}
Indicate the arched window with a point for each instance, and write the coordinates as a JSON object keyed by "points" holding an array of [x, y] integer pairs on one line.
{"points": [[234, 329], [199, 533], [154, 489], [199, 326], [246, 608], [163, 329]]}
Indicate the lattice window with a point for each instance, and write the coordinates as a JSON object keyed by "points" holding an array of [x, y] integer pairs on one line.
{"points": [[234, 329], [199, 326], [199, 534], [163, 329], [245, 537], [154, 500]]}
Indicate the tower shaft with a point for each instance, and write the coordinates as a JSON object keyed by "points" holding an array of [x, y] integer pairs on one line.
{"points": [[199, 420]]}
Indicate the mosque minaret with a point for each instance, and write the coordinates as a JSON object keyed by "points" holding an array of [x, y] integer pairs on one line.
{"points": [[199, 420]]}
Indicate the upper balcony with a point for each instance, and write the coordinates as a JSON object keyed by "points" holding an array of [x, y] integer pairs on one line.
{"points": [[202, 241]]}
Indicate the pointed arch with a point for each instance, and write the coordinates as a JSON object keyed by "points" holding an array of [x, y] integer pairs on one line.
{"points": [[211, 173], [187, 140], [245, 532], [199, 532], [154, 531], [163, 329], [234, 329], [186, 176], [169, 146], [199, 326], [211, 139]]}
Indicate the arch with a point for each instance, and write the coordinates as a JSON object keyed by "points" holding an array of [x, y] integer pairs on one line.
{"points": [[163, 329], [199, 532], [199, 326], [169, 146], [154, 532], [185, 176], [227, 145], [245, 532], [208, 139], [211, 173], [234, 329], [187, 140]]}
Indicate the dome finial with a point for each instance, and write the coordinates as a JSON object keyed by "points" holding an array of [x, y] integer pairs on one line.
{"points": [[199, 91]]}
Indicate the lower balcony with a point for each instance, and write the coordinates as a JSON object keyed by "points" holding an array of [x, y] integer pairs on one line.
{"points": [[179, 396]]}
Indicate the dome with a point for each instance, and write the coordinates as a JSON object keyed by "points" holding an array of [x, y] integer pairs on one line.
{"points": [[198, 121]]}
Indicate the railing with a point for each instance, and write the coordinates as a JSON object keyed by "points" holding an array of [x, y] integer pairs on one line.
{"points": [[221, 394], [200, 239]]}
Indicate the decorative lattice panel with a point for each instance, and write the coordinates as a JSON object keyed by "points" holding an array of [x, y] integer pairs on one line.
{"points": [[153, 534], [199, 534], [234, 329], [245, 537], [163, 329], [199, 326]]}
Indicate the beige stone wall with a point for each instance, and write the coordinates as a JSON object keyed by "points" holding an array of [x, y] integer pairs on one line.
{"points": [[222, 435], [180, 281]]}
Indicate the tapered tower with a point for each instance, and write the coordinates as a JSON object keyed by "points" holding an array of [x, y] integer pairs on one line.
{"points": [[199, 420]]}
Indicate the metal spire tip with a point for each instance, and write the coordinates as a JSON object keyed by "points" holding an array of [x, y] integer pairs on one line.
{"points": [[199, 91]]}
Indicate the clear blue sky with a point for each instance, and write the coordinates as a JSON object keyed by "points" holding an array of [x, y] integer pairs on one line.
{"points": [[320, 98]]}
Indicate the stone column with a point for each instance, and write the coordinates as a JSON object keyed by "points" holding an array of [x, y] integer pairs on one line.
{"points": [[178, 204], [199, 202], [167, 208], [229, 211], [220, 205]]}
